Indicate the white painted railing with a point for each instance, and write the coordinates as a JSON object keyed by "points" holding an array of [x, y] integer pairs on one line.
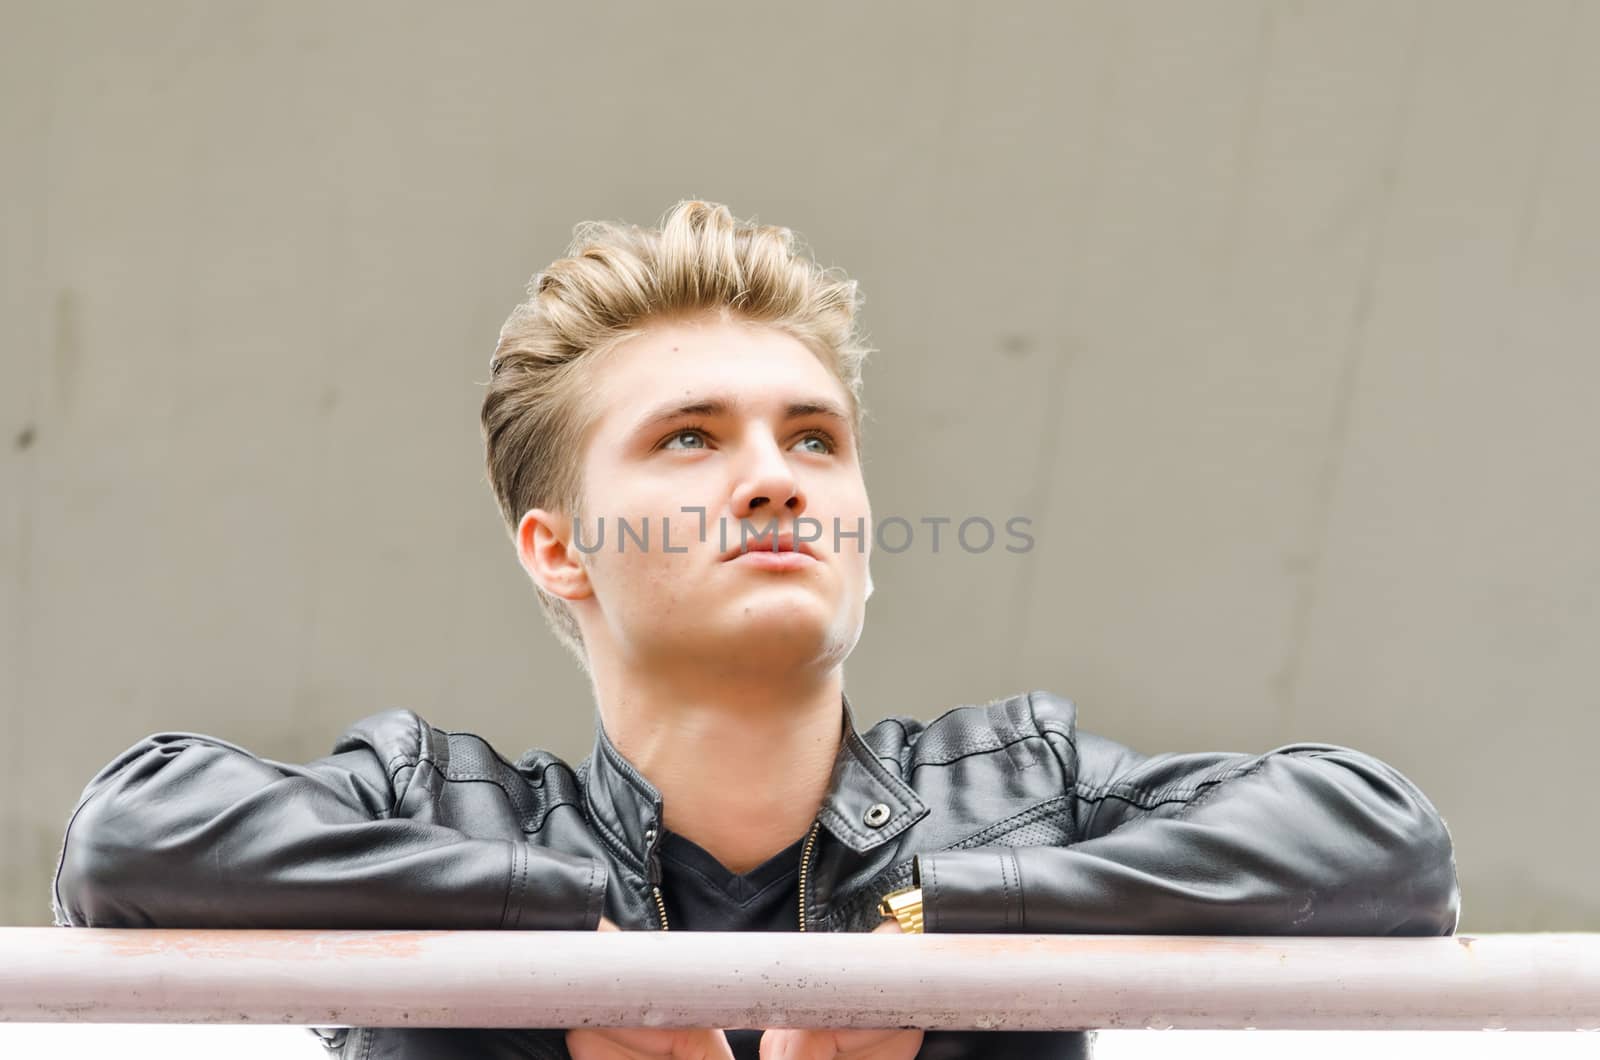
{"points": [[567, 979]]}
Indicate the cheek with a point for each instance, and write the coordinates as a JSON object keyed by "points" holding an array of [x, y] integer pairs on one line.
{"points": [[617, 493], [654, 576]]}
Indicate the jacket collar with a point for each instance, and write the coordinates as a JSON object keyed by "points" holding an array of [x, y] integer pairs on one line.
{"points": [[865, 807]]}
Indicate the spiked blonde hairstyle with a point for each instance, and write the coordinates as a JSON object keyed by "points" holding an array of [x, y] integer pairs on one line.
{"points": [[614, 281]]}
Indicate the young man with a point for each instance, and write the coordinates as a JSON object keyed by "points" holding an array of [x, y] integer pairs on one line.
{"points": [[664, 399]]}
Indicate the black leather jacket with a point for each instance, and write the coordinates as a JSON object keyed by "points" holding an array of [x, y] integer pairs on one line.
{"points": [[1010, 817]]}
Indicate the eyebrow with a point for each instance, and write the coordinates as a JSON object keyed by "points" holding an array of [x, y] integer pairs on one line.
{"points": [[721, 405]]}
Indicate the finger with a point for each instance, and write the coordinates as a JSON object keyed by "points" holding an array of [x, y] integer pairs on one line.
{"points": [[878, 1044], [873, 1042], [621, 1043], [788, 1044], [702, 1045], [618, 1043]]}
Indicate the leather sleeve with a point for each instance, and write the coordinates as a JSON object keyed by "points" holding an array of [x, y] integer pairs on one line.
{"points": [[184, 830], [1308, 839]]}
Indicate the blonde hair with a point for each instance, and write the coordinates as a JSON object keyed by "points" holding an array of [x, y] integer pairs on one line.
{"points": [[614, 281]]}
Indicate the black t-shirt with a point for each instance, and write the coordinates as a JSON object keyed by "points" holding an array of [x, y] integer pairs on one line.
{"points": [[702, 895]]}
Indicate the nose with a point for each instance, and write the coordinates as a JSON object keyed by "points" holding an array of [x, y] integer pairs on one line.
{"points": [[767, 487]]}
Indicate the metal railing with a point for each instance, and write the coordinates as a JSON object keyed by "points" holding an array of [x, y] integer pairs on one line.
{"points": [[725, 979]]}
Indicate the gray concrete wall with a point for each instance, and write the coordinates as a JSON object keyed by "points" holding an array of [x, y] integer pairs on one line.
{"points": [[1280, 321]]}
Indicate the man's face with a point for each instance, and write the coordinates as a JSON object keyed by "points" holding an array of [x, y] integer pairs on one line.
{"points": [[768, 452]]}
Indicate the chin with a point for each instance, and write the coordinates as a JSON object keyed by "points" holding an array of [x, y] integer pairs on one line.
{"points": [[778, 618], [760, 617]]}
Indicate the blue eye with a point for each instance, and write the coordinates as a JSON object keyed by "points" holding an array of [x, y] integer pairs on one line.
{"points": [[687, 432], [828, 446], [818, 436]]}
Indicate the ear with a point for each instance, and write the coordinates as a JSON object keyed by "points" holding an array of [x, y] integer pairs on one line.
{"points": [[551, 561]]}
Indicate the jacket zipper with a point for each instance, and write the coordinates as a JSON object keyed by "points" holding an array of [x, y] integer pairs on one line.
{"points": [[805, 864], [655, 875], [653, 862]]}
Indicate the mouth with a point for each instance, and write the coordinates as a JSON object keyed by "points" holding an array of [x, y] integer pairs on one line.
{"points": [[783, 547]]}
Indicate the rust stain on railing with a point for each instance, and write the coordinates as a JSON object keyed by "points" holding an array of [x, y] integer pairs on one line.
{"points": [[266, 944]]}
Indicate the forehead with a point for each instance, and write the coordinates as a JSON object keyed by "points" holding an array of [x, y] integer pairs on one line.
{"points": [[761, 368]]}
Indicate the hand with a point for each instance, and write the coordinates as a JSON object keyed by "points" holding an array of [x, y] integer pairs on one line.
{"points": [[813, 1044], [627, 1043], [624, 1043]]}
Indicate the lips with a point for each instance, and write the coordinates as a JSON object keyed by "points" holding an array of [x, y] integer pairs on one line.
{"points": [[785, 542]]}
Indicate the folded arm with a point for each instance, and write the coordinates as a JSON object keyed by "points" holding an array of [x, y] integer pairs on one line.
{"points": [[183, 830], [1309, 839]]}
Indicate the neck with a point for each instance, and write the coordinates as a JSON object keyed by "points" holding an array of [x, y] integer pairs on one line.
{"points": [[742, 764]]}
